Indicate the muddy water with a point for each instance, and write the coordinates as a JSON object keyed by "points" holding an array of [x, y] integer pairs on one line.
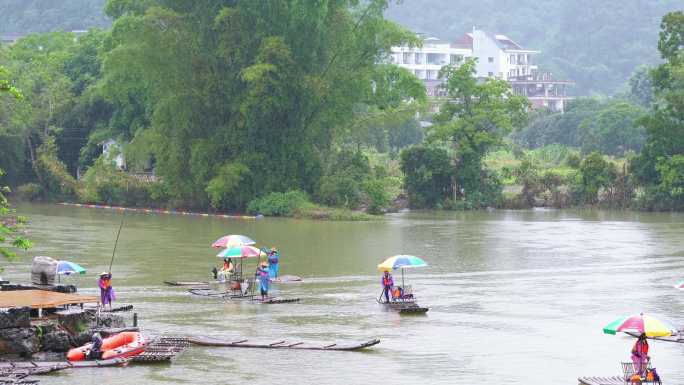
{"points": [[516, 297]]}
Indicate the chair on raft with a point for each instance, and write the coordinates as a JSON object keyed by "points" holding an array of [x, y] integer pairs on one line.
{"points": [[402, 294], [629, 370]]}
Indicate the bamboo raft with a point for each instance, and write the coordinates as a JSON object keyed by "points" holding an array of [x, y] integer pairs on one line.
{"points": [[202, 292], [614, 380], [283, 344], [186, 283]]}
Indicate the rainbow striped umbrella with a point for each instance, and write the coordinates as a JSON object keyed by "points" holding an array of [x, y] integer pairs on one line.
{"points": [[640, 324], [401, 262], [241, 252], [229, 241]]}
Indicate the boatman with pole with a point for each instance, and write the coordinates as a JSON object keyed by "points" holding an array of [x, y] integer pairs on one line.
{"points": [[387, 283]]}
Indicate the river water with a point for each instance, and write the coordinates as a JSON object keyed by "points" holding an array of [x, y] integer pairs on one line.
{"points": [[515, 297]]}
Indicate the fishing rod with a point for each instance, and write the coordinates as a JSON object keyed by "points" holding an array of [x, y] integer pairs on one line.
{"points": [[111, 262]]}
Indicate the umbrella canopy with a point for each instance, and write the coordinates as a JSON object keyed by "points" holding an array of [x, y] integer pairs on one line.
{"points": [[229, 241], [401, 262], [640, 324], [66, 268], [680, 285], [241, 252]]}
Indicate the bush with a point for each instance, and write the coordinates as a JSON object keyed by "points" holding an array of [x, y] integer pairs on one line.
{"points": [[428, 175], [103, 183], [279, 204], [340, 190], [30, 191], [377, 196]]}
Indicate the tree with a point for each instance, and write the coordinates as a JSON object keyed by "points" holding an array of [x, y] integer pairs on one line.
{"points": [[664, 128], [641, 86], [271, 85], [428, 175], [475, 119], [595, 174], [10, 223]]}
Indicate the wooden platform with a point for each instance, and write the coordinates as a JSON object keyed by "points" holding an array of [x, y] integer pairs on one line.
{"points": [[42, 299], [614, 380], [244, 343]]}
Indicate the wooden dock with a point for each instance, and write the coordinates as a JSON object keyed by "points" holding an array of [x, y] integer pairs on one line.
{"points": [[42, 299]]}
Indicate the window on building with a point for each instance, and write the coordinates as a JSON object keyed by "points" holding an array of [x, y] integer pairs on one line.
{"points": [[455, 59], [490, 74], [418, 58], [512, 59], [407, 58], [490, 59]]}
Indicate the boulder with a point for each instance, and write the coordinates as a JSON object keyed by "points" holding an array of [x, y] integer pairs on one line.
{"points": [[22, 341], [56, 341], [15, 318]]}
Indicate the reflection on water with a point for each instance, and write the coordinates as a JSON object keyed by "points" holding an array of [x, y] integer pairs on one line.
{"points": [[516, 297]]}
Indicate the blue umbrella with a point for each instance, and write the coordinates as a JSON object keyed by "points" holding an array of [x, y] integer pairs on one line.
{"points": [[68, 268]]}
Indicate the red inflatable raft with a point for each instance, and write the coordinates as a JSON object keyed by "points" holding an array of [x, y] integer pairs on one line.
{"points": [[122, 345]]}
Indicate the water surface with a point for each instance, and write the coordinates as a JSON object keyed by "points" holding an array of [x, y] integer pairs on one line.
{"points": [[516, 297]]}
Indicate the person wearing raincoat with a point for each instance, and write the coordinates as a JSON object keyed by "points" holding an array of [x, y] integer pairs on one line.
{"points": [[273, 259], [107, 295], [640, 356], [264, 280], [387, 283]]}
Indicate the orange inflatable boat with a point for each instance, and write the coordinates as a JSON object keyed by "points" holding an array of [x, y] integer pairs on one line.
{"points": [[122, 345]]}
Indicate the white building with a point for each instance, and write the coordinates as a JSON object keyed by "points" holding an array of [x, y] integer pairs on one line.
{"points": [[497, 56], [112, 150]]}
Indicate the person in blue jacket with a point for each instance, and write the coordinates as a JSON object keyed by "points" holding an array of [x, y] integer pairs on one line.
{"points": [[273, 259]]}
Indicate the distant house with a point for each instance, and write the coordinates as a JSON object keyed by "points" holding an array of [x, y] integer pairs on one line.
{"points": [[112, 150], [10, 38], [498, 56]]}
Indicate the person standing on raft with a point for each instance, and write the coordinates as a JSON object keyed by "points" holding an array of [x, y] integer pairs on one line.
{"points": [[387, 283], [640, 356], [273, 259], [106, 290], [264, 280]]}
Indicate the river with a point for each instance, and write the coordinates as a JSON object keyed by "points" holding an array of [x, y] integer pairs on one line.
{"points": [[515, 297]]}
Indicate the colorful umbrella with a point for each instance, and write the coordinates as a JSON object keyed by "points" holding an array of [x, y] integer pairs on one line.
{"points": [[401, 262], [680, 285], [241, 252], [229, 241], [67, 268], [639, 324]]}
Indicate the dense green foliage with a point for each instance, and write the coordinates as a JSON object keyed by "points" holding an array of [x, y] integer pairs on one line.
{"points": [[609, 126], [597, 44], [484, 114], [659, 165], [428, 175], [226, 101], [10, 223]]}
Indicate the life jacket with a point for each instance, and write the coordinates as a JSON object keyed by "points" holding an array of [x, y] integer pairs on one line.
{"points": [[387, 280]]}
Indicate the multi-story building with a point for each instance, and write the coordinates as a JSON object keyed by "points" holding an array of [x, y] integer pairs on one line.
{"points": [[497, 57]]}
